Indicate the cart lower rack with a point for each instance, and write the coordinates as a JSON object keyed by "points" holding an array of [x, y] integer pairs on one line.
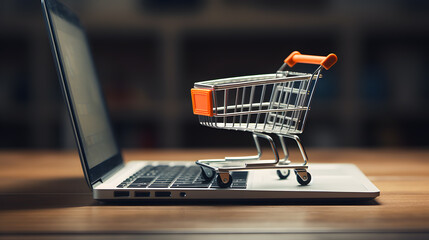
{"points": [[264, 104]]}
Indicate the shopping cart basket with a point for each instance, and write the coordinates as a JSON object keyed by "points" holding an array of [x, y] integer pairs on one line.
{"points": [[264, 104]]}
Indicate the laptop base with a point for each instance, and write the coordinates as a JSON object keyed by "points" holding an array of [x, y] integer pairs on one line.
{"points": [[330, 181]]}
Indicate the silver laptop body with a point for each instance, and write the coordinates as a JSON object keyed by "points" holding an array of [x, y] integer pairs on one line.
{"points": [[112, 179]]}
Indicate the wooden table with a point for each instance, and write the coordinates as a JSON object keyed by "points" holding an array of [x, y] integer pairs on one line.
{"points": [[43, 196]]}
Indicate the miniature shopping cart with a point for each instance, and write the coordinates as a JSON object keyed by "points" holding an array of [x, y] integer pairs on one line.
{"points": [[264, 104]]}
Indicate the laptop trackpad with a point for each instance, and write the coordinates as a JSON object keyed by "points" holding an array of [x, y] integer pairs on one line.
{"points": [[325, 177]]}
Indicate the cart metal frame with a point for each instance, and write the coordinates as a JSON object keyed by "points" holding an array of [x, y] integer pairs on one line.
{"points": [[261, 104]]}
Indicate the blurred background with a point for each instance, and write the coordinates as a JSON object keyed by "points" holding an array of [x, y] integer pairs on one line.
{"points": [[149, 53]]}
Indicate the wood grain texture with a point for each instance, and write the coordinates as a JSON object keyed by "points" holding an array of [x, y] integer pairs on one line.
{"points": [[44, 192]]}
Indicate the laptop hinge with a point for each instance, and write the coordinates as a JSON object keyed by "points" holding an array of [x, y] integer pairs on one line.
{"points": [[107, 175], [98, 182]]}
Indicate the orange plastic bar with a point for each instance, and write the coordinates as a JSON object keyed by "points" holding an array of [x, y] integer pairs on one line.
{"points": [[202, 103], [297, 57]]}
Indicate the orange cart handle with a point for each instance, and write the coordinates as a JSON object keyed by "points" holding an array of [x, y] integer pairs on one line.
{"points": [[297, 57]]}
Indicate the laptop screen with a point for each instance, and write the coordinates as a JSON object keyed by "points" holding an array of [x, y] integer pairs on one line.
{"points": [[82, 90]]}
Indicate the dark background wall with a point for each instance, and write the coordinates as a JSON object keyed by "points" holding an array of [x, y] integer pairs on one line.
{"points": [[150, 52]]}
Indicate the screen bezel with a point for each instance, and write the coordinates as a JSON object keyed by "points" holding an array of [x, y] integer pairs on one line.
{"points": [[92, 175]]}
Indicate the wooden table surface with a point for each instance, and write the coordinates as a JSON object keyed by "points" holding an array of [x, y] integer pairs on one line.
{"points": [[43, 195]]}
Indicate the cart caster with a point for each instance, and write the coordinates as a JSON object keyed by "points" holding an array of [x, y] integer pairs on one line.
{"points": [[303, 177], [283, 174], [207, 173], [224, 180]]}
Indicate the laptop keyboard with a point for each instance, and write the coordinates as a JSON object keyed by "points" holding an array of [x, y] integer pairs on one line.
{"points": [[164, 176]]}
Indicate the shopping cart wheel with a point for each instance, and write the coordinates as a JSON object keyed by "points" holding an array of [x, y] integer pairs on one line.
{"points": [[224, 180], [283, 174], [300, 180], [207, 173]]}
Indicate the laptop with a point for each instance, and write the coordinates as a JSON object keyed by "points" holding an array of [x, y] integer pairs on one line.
{"points": [[111, 179]]}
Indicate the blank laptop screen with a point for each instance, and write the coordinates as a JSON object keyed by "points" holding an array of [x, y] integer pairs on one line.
{"points": [[86, 98]]}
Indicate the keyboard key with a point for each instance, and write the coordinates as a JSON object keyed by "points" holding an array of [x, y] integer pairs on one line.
{"points": [[239, 175], [138, 185], [144, 180]]}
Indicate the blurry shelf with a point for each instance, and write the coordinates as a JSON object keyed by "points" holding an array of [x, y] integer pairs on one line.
{"points": [[149, 55]]}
